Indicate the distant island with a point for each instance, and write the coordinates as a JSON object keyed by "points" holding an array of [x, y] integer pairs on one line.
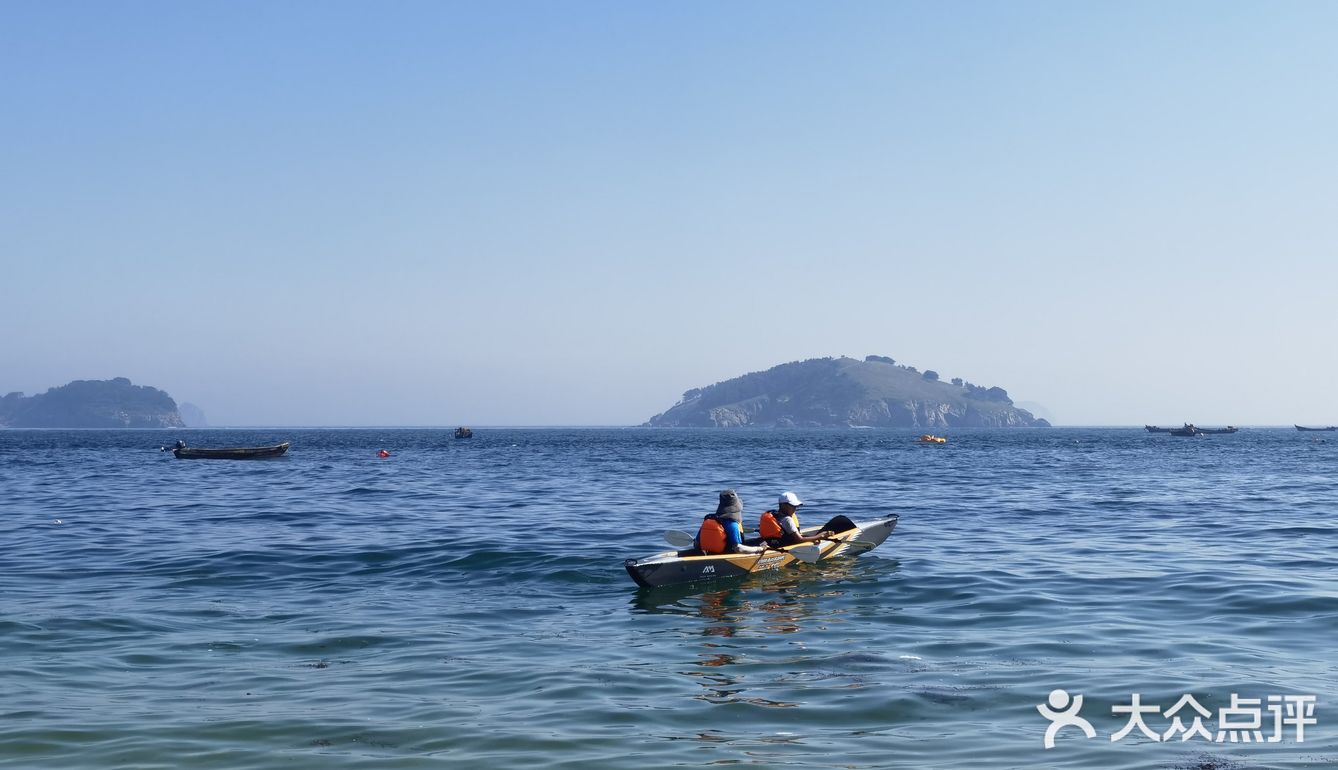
{"points": [[114, 403], [845, 392], [192, 415]]}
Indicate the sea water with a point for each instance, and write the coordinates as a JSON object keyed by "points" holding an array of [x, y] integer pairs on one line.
{"points": [[462, 603]]}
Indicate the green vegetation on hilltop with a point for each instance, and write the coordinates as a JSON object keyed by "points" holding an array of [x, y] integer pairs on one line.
{"points": [[818, 392], [114, 403]]}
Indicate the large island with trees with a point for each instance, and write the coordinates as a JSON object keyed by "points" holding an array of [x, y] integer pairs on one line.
{"points": [[114, 403], [845, 392]]}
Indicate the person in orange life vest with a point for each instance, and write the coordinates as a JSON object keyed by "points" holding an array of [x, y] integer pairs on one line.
{"points": [[782, 525], [722, 531]]}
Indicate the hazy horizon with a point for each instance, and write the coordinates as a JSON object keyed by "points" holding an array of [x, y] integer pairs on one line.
{"points": [[1038, 410], [541, 214]]}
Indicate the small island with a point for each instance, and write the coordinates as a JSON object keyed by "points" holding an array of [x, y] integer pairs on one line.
{"points": [[845, 392], [114, 403]]}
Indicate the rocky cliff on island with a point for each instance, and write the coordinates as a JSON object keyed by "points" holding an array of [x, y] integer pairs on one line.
{"points": [[115, 403], [845, 392]]}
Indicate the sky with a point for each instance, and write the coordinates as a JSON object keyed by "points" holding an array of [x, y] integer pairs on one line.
{"points": [[568, 213]]}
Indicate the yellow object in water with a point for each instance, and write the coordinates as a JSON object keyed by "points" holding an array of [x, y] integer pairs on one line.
{"points": [[928, 439]]}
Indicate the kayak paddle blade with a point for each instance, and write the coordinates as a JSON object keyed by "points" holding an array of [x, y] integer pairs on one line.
{"points": [[678, 538], [808, 554]]}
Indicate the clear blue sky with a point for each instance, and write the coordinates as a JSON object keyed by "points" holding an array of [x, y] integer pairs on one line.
{"points": [[534, 213]]}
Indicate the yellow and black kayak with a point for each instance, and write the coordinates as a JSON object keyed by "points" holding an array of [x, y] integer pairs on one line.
{"points": [[677, 567]]}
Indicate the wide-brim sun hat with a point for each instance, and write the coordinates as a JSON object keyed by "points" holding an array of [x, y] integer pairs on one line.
{"points": [[730, 505]]}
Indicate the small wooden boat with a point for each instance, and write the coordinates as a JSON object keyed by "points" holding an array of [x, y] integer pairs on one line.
{"points": [[1330, 427], [1227, 429], [930, 439], [230, 453], [463, 432]]}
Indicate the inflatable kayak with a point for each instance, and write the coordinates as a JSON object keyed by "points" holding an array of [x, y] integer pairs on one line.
{"points": [[675, 567]]}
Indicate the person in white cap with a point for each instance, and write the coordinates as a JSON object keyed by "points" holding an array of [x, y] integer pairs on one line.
{"points": [[782, 524]]}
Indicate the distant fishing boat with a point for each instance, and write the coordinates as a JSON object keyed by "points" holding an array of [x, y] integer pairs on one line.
{"points": [[931, 439], [184, 452], [463, 432], [1191, 430], [1155, 429], [1329, 427]]}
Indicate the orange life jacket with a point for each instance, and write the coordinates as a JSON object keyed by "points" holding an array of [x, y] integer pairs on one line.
{"points": [[769, 525], [711, 536]]}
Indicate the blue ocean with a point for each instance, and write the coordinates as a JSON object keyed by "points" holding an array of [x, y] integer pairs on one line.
{"points": [[463, 603]]}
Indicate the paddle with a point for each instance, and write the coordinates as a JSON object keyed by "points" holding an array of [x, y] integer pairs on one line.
{"points": [[809, 553], [851, 542], [678, 538]]}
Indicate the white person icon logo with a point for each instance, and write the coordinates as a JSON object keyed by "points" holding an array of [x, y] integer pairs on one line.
{"points": [[1063, 712]]}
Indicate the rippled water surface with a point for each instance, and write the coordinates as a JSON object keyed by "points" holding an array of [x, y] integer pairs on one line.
{"points": [[463, 602]]}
